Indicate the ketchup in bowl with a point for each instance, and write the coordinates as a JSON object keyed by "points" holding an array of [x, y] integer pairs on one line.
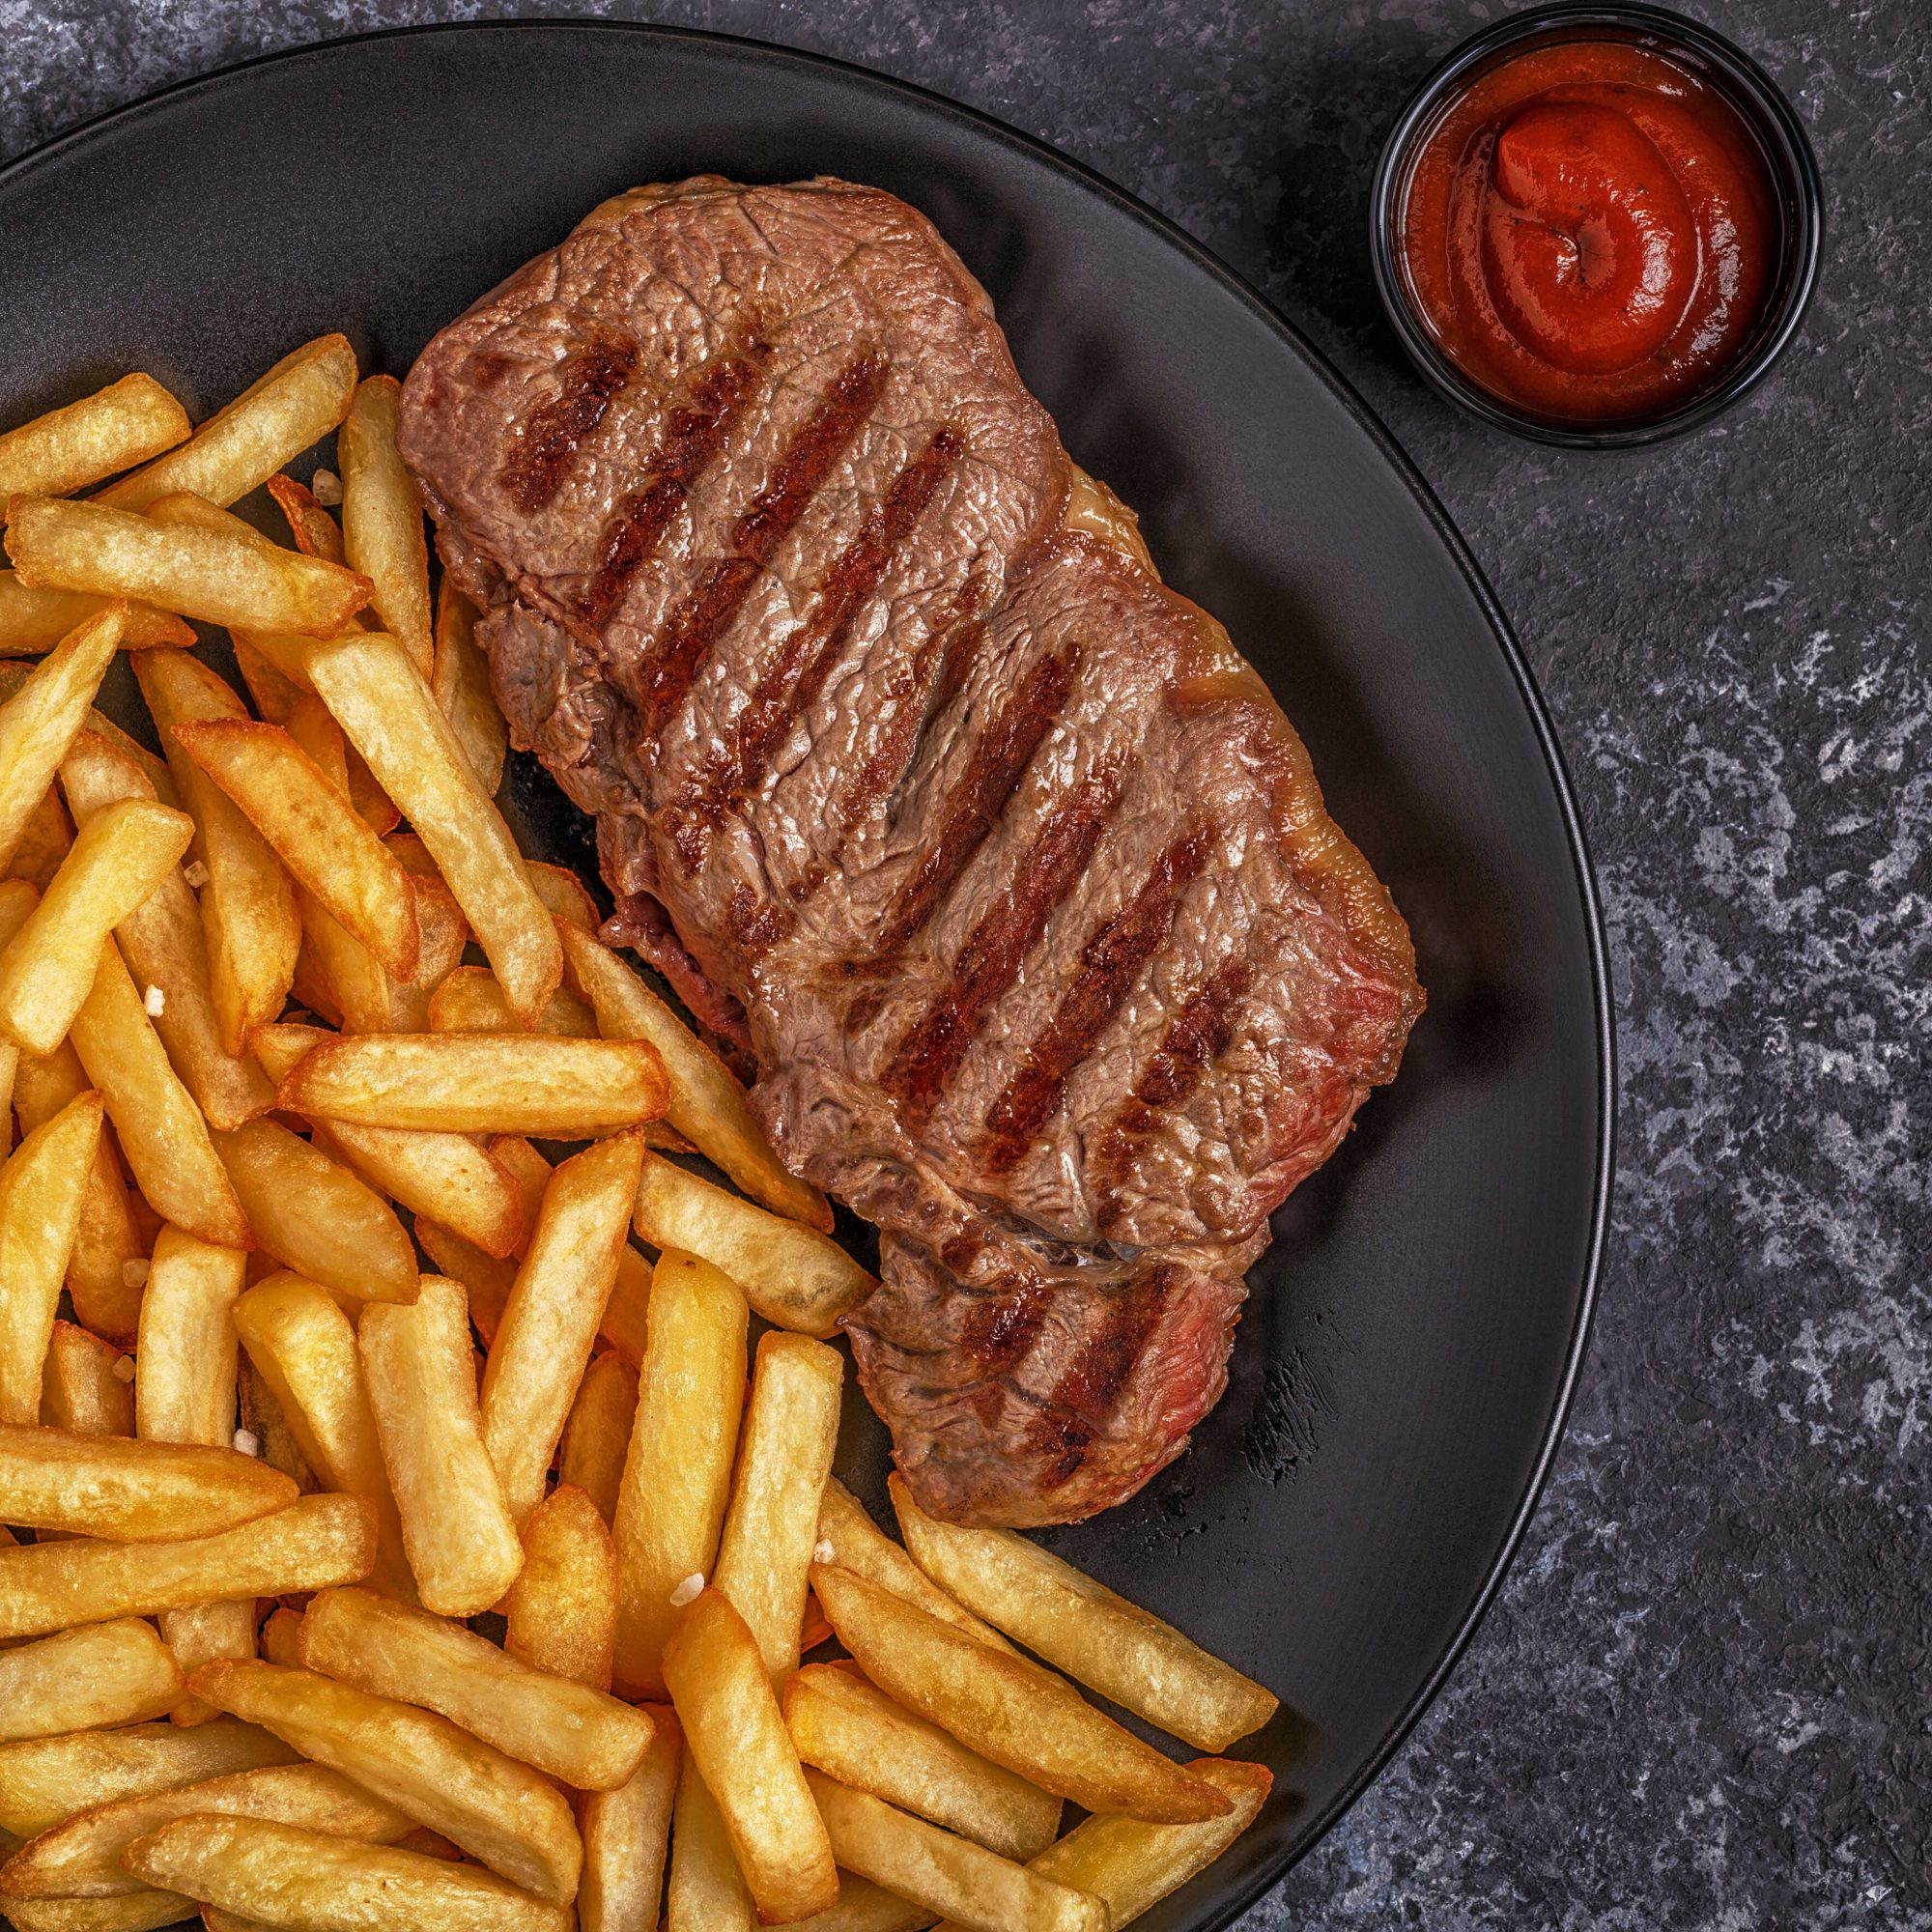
{"points": [[1587, 227]]}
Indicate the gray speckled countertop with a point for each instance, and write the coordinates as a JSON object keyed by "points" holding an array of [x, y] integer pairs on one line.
{"points": [[1702, 1702]]}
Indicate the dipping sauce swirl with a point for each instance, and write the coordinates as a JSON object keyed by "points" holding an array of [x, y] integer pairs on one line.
{"points": [[1591, 232]]}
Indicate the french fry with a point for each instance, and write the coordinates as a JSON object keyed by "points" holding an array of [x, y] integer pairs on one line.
{"points": [[973, 1887], [626, 1833], [707, 1103], [480, 1083], [33, 621], [721, 1691], [303, 1345], [41, 1188], [278, 417], [864, 1907], [313, 1543], [279, 1639], [275, 692], [160, 1129], [504, 1814], [107, 1265], [561, 1613], [315, 531], [164, 947], [471, 1001], [1006, 1709], [130, 1491], [120, 855], [43, 844], [855, 1733], [68, 448], [248, 1866], [81, 1858], [45, 1782], [79, 1390], [1133, 1866], [383, 516], [139, 1912], [677, 1474], [386, 708], [765, 1553], [583, 1736], [313, 829], [421, 1378], [316, 1217], [597, 1434], [706, 1892], [460, 681], [860, 1545], [259, 1413], [206, 573], [114, 1673], [41, 720], [557, 1302], [1097, 1638], [794, 1276]]}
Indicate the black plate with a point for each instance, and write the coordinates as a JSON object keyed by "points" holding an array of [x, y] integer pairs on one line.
{"points": [[1404, 1369]]}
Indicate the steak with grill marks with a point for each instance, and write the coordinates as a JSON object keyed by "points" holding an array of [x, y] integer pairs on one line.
{"points": [[913, 778]]}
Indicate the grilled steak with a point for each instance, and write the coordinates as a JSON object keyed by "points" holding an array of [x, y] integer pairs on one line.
{"points": [[912, 776]]}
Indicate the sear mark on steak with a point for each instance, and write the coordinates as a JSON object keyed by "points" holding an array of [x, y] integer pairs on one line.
{"points": [[915, 781]]}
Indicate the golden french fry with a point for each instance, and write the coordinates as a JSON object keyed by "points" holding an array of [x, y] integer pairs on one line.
{"points": [[706, 1892], [860, 1545], [864, 1907], [114, 1673], [1100, 1640], [794, 1276], [248, 1866], [238, 448], [508, 1816], [248, 902], [421, 1378], [721, 1691], [386, 708], [485, 1278], [479, 1083], [315, 531], [583, 1736], [973, 1887], [121, 854], [677, 1475], [275, 693], [561, 1613], [303, 1346], [626, 1833], [313, 1543], [852, 1732], [279, 1639], [1132, 1866], [81, 1858], [41, 1188], [206, 573], [470, 999], [79, 1390], [139, 1912], [260, 1413], [88, 441], [128, 1490], [43, 844], [41, 720], [557, 1302], [598, 1435], [707, 1103], [45, 1782], [33, 621], [460, 680], [383, 516], [1006, 1709], [765, 1553], [165, 949], [160, 1129], [313, 829], [316, 1217]]}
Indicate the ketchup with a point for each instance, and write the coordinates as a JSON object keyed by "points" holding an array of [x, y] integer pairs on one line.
{"points": [[1591, 232]]}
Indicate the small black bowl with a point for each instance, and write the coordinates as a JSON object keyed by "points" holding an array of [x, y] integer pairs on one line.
{"points": [[1792, 166]]}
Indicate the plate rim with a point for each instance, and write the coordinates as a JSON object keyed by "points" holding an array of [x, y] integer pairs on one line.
{"points": [[1555, 1428]]}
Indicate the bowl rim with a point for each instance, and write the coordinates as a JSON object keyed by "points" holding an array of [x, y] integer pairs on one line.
{"points": [[1758, 98]]}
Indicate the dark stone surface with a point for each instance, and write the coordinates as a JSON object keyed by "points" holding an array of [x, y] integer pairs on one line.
{"points": [[1702, 1701]]}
